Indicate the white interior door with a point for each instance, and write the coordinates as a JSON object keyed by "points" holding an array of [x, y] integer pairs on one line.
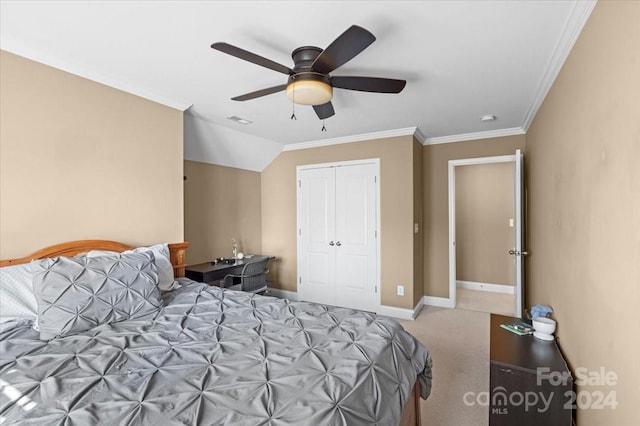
{"points": [[518, 251], [316, 235], [355, 248]]}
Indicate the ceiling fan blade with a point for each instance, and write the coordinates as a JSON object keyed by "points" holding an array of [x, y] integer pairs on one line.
{"points": [[344, 48], [259, 93], [251, 57], [324, 111], [369, 84]]}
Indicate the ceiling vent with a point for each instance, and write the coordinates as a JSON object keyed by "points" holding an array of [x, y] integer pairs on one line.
{"points": [[239, 119]]}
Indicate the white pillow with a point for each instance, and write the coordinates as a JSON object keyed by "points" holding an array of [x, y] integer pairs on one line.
{"points": [[166, 280], [17, 300]]}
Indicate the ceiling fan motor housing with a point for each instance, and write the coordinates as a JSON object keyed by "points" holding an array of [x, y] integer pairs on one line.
{"points": [[306, 87], [304, 56]]}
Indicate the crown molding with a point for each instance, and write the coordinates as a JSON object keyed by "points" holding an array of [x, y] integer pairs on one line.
{"points": [[420, 136], [573, 27], [408, 131], [514, 131], [87, 72]]}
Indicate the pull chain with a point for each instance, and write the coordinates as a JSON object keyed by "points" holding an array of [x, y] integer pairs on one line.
{"points": [[324, 113], [293, 104]]}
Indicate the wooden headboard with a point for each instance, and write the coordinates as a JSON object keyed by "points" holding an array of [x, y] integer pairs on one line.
{"points": [[73, 248]]}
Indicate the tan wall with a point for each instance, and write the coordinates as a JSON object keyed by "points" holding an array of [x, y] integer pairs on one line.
{"points": [[279, 210], [417, 220], [484, 205], [436, 206], [584, 206], [81, 160], [221, 203]]}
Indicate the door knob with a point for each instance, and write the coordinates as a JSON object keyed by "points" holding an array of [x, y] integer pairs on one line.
{"points": [[518, 253], [338, 243], [331, 243]]}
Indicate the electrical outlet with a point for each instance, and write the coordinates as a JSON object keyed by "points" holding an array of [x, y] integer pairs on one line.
{"points": [[400, 290]]}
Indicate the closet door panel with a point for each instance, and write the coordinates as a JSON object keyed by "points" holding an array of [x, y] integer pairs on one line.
{"points": [[316, 231], [356, 266]]}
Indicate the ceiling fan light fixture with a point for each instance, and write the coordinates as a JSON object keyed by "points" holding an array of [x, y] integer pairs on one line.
{"points": [[309, 92]]}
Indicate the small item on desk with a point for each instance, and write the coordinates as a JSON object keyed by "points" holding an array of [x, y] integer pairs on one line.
{"points": [[234, 244], [226, 261], [541, 311], [248, 256], [544, 328], [519, 328]]}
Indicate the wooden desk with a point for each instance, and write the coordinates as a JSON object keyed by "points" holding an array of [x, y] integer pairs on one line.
{"points": [[523, 366], [206, 272]]}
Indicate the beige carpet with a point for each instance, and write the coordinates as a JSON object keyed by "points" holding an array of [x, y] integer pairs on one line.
{"points": [[458, 341], [486, 301]]}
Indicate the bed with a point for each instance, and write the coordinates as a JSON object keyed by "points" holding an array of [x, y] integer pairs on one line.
{"points": [[201, 356]]}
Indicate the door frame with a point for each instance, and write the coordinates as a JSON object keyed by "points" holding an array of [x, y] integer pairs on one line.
{"points": [[452, 222], [376, 163]]}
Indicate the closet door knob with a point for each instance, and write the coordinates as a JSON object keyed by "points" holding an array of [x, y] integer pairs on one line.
{"points": [[331, 243], [338, 243]]}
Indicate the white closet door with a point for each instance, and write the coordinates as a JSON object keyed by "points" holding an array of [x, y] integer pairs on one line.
{"points": [[356, 246], [316, 235]]}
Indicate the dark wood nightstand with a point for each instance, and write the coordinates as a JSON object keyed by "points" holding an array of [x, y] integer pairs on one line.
{"points": [[530, 383]]}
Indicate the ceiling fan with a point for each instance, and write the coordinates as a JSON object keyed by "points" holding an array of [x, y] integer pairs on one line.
{"points": [[309, 81]]}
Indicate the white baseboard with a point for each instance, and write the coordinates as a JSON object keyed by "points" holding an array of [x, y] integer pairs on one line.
{"points": [[494, 288], [418, 308], [442, 302], [392, 311], [282, 294]]}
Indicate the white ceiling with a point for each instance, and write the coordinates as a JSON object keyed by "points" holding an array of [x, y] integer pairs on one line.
{"points": [[461, 60]]}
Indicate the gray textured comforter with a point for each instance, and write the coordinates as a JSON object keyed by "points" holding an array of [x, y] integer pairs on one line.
{"points": [[213, 357]]}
